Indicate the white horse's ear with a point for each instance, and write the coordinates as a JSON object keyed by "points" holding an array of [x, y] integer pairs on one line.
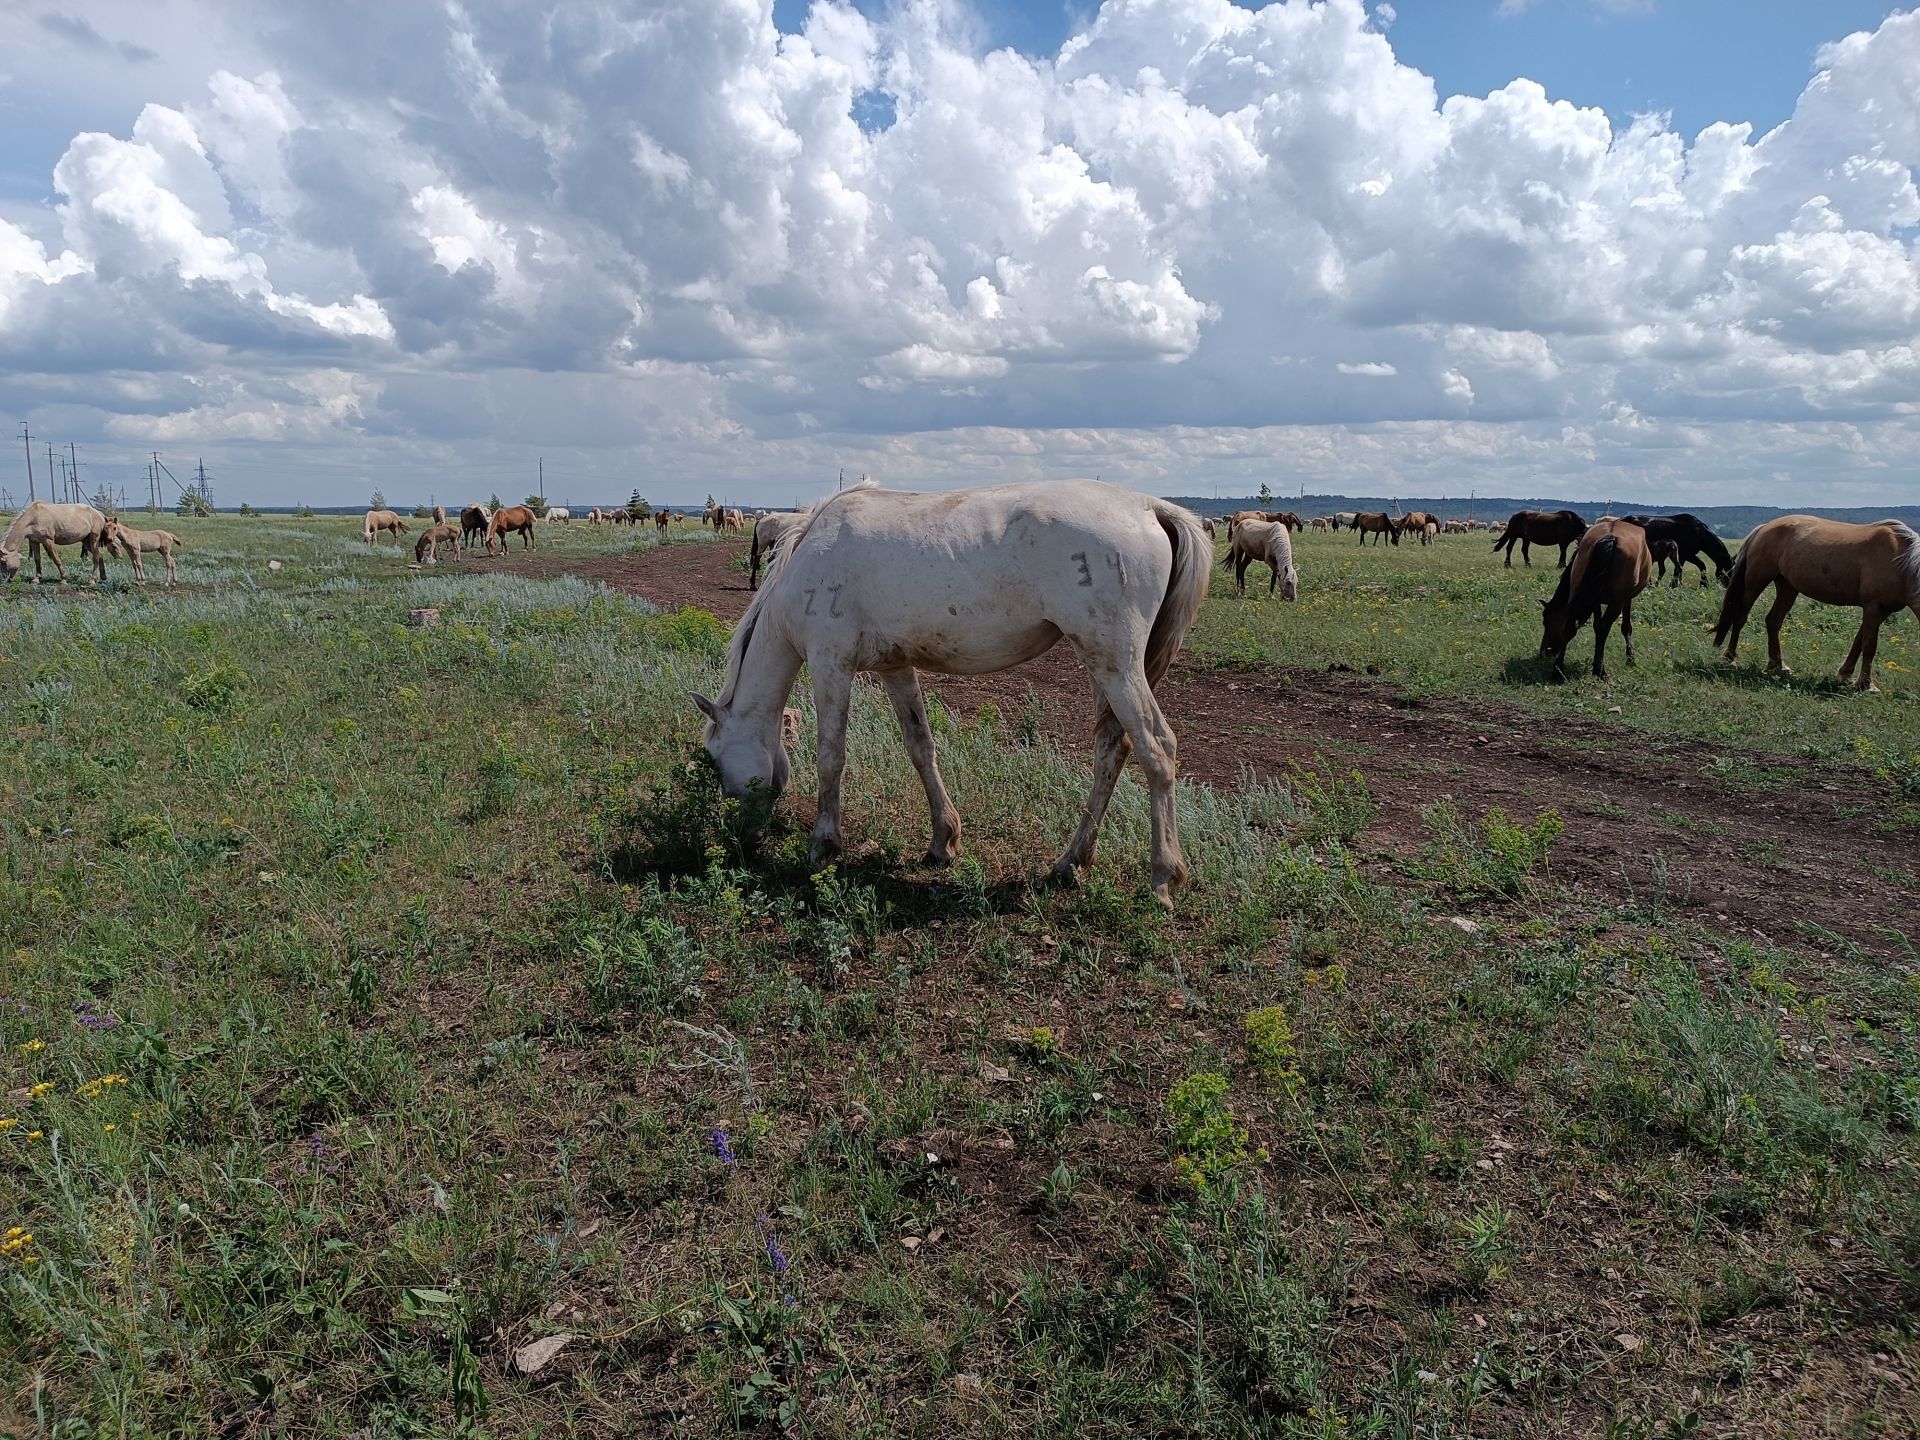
{"points": [[706, 706]]}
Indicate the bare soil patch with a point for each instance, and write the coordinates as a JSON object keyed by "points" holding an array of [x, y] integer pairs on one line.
{"points": [[1804, 850]]}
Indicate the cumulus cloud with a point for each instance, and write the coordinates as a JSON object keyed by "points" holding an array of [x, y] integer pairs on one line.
{"points": [[872, 239]]}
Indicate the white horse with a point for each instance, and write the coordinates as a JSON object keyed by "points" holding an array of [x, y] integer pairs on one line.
{"points": [[768, 531], [559, 512], [44, 526], [1269, 542], [968, 582]]}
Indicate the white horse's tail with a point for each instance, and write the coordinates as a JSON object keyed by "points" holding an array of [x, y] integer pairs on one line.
{"points": [[1186, 590], [1909, 562]]}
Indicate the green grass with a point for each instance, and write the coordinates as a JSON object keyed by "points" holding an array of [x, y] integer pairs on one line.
{"points": [[1449, 621], [404, 996]]}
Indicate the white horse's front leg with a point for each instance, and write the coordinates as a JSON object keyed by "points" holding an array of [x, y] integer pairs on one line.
{"points": [[910, 708], [832, 692]]}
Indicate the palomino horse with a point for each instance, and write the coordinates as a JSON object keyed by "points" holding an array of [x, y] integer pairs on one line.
{"points": [[1610, 568], [43, 527], [559, 513], [1268, 541], [439, 514], [511, 520], [125, 540], [473, 525], [426, 550], [968, 582], [383, 522], [713, 515], [1876, 567], [768, 531], [1692, 537], [1529, 528], [732, 520], [1377, 522]]}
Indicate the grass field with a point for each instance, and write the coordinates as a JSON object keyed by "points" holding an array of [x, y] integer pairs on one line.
{"points": [[381, 1002]]}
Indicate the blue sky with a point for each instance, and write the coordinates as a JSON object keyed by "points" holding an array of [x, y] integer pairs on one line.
{"points": [[1700, 60]]}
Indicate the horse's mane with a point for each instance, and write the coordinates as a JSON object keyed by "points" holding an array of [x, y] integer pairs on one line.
{"points": [[776, 567], [1909, 562]]}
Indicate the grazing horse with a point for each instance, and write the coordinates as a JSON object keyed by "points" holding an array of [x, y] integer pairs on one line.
{"points": [[1610, 567], [968, 582], [1692, 537], [43, 527], [1664, 553], [1541, 527], [1416, 522], [768, 531], [732, 520], [1344, 520], [560, 513], [1876, 567], [1377, 522], [426, 550], [1456, 527], [473, 525], [1268, 541], [439, 514], [125, 540], [383, 522], [511, 520]]}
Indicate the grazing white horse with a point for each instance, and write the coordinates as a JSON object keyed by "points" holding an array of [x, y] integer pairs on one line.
{"points": [[768, 531], [968, 582], [1268, 542], [559, 512], [43, 527]]}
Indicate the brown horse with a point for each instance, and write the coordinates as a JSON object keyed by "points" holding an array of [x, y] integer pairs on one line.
{"points": [[426, 550], [473, 525], [44, 526], [126, 541], [1376, 522], [1876, 567], [1665, 553], [1610, 568], [1416, 521], [383, 522], [511, 520], [1529, 528], [660, 518]]}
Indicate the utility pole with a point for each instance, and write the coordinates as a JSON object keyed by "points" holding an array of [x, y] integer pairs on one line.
{"points": [[27, 438], [73, 454], [542, 491]]}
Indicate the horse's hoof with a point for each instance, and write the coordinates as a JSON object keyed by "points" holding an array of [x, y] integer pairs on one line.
{"points": [[1065, 874]]}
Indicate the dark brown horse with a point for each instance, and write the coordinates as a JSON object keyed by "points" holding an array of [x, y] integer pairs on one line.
{"points": [[1541, 527], [1376, 522], [1611, 566], [473, 525]]}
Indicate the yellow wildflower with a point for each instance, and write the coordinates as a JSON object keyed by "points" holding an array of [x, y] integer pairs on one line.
{"points": [[36, 1134], [106, 1129], [34, 1092], [33, 1045], [8, 1123]]}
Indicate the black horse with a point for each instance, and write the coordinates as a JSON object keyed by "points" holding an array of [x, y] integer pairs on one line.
{"points": [[1691, 535]]}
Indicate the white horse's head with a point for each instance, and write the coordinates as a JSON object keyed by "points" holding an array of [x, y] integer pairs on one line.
{"points": [[749, 753], [10, 562], [1290, 583]]}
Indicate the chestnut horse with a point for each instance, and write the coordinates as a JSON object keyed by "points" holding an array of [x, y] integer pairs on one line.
{"points": [[1876, 567], [1611, 566], [660, 518], [426, 550], [1377, 522], [1529, 528], [511, 520]]}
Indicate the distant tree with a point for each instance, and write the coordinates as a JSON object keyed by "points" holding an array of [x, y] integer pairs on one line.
{"points": [[423, 512], [1266, 493], [493, 502], [637, 506], [377, 500], [537, 504], [247, 509], [305, 512], [710, 500]]}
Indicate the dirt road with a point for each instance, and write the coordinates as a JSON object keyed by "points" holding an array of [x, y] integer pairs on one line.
{"points": [[1762, 862]]}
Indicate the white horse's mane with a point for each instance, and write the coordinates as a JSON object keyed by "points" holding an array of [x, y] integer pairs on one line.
{"points": [[776, 565], [1909, 561]]}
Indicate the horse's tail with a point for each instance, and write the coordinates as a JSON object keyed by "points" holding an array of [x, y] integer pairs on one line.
{"points": [[1734, 603], [1186, 589]]}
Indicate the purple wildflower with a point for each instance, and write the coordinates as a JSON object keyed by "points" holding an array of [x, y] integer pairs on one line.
{"points": [[776, 1256], [723, 1147], [318, 1144], [89, 1018]]}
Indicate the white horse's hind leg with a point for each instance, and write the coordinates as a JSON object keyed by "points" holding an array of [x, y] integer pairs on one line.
{"points": [[1154, 746], [910, 708], [832, 692], [1110, 746]]}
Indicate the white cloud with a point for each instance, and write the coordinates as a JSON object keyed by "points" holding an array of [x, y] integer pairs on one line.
{"points": [[1133, 235]]}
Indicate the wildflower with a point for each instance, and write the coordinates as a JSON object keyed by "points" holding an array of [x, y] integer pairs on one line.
{"points": [[723, 1147], [776, 1256], [15, 1241], [33, 1045], [36, 1134], [34, 1092], [8, 1123], [107, 1129], [93, 1088]]}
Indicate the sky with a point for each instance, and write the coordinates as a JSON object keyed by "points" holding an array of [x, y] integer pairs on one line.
{"points": [[1650, 250]]}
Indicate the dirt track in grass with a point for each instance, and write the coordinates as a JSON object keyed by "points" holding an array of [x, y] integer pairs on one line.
{"points": [[1765, 861]]}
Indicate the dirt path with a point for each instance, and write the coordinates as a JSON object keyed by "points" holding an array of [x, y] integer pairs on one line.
{"points": [[1763, 862]]}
